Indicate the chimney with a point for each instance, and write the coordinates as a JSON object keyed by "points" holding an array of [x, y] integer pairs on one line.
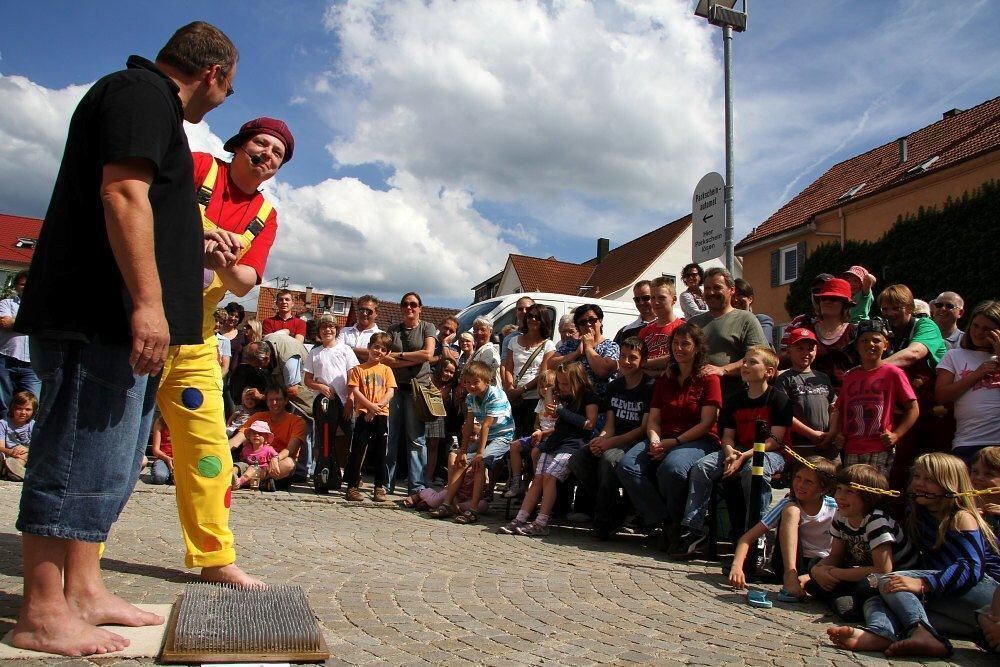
{"points": [[951, 113], [901, 142], [603, 248]]}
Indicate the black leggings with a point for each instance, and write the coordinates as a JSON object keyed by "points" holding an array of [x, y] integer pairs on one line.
{"points": [[368, 436]]}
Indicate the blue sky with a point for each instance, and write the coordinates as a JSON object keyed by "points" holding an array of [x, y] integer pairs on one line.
{"points": [[432, 138]]}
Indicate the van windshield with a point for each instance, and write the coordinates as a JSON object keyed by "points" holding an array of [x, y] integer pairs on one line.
{"points": [[466, 317]]}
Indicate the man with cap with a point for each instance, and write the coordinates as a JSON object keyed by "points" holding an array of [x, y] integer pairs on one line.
{"points": [[190, 394]]}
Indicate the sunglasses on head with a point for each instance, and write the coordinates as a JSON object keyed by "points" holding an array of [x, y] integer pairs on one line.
{"points": [[645, 298]]}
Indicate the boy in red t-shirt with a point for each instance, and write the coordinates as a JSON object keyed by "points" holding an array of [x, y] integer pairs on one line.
{"points": [[868, 426], [656, 334]]}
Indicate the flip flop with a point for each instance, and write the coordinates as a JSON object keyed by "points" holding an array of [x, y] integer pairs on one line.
{"points": [[785, 596], [758, 599]]}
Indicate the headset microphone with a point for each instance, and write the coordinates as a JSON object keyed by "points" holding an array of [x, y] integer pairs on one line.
{"points": [[254, 159]]}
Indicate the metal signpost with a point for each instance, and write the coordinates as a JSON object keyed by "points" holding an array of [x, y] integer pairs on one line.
{"points": [[708, 213]]}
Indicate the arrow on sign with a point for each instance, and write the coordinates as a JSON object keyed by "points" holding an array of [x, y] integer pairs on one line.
{"points": [[706, 218]]}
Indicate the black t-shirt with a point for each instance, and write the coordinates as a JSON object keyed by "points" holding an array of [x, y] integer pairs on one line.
{"points": [[76, 290], [628, 405], [811, 395], [740, 412]]}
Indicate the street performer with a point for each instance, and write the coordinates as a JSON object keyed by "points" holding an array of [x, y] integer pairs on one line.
{"points": [[190, 394]]}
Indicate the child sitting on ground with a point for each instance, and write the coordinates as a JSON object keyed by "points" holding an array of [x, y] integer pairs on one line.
{"points": [[803, 521], [866, 541], [545, 422], [811, 394], [738, 423], [986, 475], [576, 415], [162, 470], [252, 468], [252, 402], [15, 434], [487, 404], [868, 428]]}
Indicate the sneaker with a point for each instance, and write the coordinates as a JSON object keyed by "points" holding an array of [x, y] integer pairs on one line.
{"points": [[515, 488], [532, 529], [379, 495], [268, 485], [354, 495], [693, 544], [511, 528]]}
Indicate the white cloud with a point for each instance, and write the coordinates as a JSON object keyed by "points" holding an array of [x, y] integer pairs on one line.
{"points": [[549, 105]]}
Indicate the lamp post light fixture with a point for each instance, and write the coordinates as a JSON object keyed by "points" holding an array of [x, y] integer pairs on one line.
{"points": [[724, 13]]}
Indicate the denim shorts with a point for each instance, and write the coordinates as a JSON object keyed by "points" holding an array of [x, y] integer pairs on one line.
{"points": [[495, 449], [90, 434]]}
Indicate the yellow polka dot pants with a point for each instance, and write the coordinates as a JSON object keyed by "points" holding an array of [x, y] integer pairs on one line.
{"points": [[190, 400]]}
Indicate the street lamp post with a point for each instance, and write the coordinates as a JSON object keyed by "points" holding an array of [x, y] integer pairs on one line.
{"points": [[723, 13]]}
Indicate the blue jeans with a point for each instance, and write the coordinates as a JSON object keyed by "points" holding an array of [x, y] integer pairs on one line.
{"points": [[403, 415], [90, 435], [15, 375], [894, 615], [159, 472], [658, 489], [708, 470]]}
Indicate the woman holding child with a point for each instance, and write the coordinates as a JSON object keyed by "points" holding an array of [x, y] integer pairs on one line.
{"points": [[682, 428], [527, 355], [599, 355]]}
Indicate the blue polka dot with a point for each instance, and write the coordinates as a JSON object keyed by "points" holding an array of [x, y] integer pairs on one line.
{"points": [[192, 398]]}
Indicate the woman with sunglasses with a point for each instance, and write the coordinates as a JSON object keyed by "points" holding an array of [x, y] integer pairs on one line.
{"points": [[599, 355], [412, 347], [692, 300], [527, 355]]}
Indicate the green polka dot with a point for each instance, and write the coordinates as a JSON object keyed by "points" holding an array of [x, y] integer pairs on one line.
{"points": [[209, 466]]}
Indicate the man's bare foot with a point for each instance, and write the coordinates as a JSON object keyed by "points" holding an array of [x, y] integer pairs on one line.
{"points": [[63, 633], [991, 630], [856, 639], [100, 607], [920, 642], [230, 574]]}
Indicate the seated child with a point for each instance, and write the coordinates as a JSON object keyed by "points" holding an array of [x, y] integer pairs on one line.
{"points": [[986, 475], [162, 470], [738, 422], [252, 402], [803, 521], [868, 426], [812, 394], [252, 468], [866, 541], [428, 498], [15, 434], [575, 418], [545, 422], [487, 404]]}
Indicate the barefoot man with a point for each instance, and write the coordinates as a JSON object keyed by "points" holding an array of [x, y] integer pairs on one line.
{"points": [[190, 394], [116, 281]]}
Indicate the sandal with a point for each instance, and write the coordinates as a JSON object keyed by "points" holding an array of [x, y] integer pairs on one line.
{"points": [[758, 599], [442, 512], [467, 517], [785, 596], [407, 503]]}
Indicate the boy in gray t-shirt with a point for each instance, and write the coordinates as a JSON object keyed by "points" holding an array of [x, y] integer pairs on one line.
{"points": [[811, 394]]}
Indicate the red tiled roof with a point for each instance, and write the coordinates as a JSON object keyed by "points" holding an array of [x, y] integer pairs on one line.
{"points": [[953, 139], [13, 227], [623, 265], [549, 275]]}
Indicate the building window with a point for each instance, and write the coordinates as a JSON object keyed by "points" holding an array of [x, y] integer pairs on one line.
{"points": [[671, 277], [786, 263], [339, 307], [25, 242]]}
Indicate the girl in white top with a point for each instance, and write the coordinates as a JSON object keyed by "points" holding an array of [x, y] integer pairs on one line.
{"points": [[969, 376]]}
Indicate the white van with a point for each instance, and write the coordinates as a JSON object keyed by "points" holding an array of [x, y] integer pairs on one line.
{"points": [[500, 311]]}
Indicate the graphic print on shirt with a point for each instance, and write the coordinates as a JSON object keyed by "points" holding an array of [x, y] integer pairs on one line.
{"points": [[991, 381], [865, 418], [625, 410]]}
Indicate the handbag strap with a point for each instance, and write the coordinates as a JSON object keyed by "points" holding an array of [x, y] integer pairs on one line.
{"points": [[524, 368]]}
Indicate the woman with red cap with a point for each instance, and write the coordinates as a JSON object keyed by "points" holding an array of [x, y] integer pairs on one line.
{"points": [[190, 393], [834, 332]]}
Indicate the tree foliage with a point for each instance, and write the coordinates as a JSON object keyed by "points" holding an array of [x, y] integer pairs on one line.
{"points": [[955, 248]]}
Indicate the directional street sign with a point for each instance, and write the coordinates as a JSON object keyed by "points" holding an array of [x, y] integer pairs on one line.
{"points": [[708, 211]]}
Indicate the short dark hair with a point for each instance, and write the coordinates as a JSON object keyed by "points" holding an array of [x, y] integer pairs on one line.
{"points": [[696, 267], [196, 46], [275, 388], [283, 292], [719, 271], [402, 299], [367, 298], [380, 337], [234, 308], [743, 287], [641, 284], [580, 311], [24, 397], [635, 343], [20, 275]]}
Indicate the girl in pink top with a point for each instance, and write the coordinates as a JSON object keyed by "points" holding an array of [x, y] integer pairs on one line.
{"points": [[255, 457]]}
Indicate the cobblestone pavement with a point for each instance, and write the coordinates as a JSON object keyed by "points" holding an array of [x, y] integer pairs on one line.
{"points": [[393, 587]]}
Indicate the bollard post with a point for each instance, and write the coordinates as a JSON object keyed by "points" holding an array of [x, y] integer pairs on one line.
{"points": [[754, 510]]}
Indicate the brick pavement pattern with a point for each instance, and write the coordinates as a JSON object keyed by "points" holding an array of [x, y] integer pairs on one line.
{"points": [[393, 587]]}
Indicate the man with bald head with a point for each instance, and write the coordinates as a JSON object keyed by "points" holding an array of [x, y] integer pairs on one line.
{"points": [[946, 311]]}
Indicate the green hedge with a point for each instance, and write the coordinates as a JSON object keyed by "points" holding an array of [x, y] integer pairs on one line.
{"points": [[956, 248]]}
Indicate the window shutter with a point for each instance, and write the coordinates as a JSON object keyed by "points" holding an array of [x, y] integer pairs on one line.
{"points": [[800, 258], [775, 267]]}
